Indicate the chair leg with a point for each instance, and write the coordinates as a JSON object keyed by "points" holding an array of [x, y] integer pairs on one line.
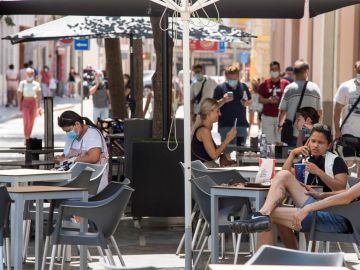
{"points": [[253, 244], [310, 246], [109, 256], [113, 242], [356, 250], [201, 235], [222, 237], [26, 239], [237, 248], [197, 229], [63, 257], [178, 250], [46, 246], [327, 246], [200, 252], [58, 255], [53, 253], [1, 258]]}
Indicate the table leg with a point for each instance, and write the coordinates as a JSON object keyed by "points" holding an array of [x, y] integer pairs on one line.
{"points": [[17, 231], [39, 219], [83, 228], [214, 228]]}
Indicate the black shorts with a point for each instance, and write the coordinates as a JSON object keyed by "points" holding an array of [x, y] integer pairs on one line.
{"points": [[351, 152]]}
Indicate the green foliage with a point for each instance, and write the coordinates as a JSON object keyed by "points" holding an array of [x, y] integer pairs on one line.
{"points": [[8, 20]]}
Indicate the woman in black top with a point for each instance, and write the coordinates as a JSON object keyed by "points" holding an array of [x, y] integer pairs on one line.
{"points": [[203, 146]]}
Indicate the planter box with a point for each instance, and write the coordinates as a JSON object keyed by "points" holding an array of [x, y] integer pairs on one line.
{"points": [[157, 179]]}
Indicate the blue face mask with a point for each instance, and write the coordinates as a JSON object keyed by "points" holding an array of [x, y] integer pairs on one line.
{"points": [[233, 83], [101, 79], [305, 131], [198, 77], [358, 77], [72, 135]]}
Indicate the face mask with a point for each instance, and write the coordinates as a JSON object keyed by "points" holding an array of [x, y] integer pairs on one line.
{"points": [[358, 77], [306, 131], [198, 77], [30, 79], [72, 135], [233, 83], [274, 74], [101, 79]]}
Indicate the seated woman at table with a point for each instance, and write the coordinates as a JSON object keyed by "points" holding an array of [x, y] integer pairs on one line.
{"points": [[324, 168], [84, 142], [306, 117], [203, 146]]}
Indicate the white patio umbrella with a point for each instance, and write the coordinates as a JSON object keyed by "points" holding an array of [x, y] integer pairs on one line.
{"points": [[137, 27]]}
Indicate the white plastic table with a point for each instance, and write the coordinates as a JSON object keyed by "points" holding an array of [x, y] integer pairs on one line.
{"points": [[258, 194], [39, 193]]}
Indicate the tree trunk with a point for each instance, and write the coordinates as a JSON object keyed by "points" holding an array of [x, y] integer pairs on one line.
{"points": [[157, 78], [138, 77], [115, 75]]}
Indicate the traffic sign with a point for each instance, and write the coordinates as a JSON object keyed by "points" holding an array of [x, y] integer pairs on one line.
{"points": [[244, 57], [221, 47], [81, 44]]}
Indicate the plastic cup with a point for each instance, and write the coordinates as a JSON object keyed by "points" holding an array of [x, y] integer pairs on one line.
{"points": [[300, 172]]}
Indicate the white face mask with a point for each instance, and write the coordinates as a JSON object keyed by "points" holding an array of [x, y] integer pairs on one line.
{"points": [[30, 79], [274, 74]]}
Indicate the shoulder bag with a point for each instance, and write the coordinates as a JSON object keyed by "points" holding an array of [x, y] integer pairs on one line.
{"points": [[288, 125]]}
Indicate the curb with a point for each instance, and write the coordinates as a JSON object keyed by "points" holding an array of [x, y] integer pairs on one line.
{"points": [[18, 114]]}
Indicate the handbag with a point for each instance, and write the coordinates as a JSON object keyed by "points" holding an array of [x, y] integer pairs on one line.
{"points": [[288, 125]]}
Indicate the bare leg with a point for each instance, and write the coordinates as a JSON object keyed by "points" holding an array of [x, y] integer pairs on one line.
{"points": [[287, 237], [264, 238], [358, 168], [282, 182]]}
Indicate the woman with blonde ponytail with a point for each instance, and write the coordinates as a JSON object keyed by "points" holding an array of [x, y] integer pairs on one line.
{"points": [[203, 146]]}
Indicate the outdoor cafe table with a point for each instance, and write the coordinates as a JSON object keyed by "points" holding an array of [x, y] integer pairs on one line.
{"points": [[272, 267], [17, 177], [245, 171], [21, 194], [23, 177], [258, 194], [217, 192]]}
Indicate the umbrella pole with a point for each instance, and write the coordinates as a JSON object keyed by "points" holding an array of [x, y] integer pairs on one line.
{"points": [[185, 17], [81, 73]]}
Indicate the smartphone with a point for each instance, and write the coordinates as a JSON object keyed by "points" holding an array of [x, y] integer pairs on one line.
{"points": [[235, 122]]}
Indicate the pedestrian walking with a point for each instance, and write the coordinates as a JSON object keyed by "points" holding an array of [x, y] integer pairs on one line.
{"points": [[45, 81], [233, 97], [29, 101], [72, 82], [100, 92], [347, 107], [256, 106], [270, 93], [12, 81], [291, 99], [202, 87]]}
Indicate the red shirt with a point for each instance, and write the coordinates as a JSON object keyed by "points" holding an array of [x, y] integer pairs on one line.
{"points": [[269, 88]]}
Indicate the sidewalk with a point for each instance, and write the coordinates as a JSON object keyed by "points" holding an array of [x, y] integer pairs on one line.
{"points": [[63, 103]]}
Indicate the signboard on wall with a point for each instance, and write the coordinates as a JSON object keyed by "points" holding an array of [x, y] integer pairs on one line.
{"points": [[81, 44], [202, 45]]}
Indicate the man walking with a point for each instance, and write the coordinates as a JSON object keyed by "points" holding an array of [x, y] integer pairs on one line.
{"points": [[347, 107], [270, 92], [202, 87], [233, 97], [100, 94], [292, 94], [12, 81]]}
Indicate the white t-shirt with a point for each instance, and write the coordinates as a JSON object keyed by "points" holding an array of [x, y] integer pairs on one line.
{"points": [[346, 95], [91, 139], [29, 89], [208, 91]]}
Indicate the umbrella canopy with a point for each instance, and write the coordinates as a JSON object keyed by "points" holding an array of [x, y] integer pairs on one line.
{"points": [[317, 7], [108, 27], [227, 8]]}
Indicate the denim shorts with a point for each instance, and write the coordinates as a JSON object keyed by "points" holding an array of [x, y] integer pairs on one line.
{"points": [[325, 221]]}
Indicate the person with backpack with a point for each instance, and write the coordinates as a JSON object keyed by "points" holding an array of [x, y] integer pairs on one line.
{"points": [[202, 87], [347, 107]]}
